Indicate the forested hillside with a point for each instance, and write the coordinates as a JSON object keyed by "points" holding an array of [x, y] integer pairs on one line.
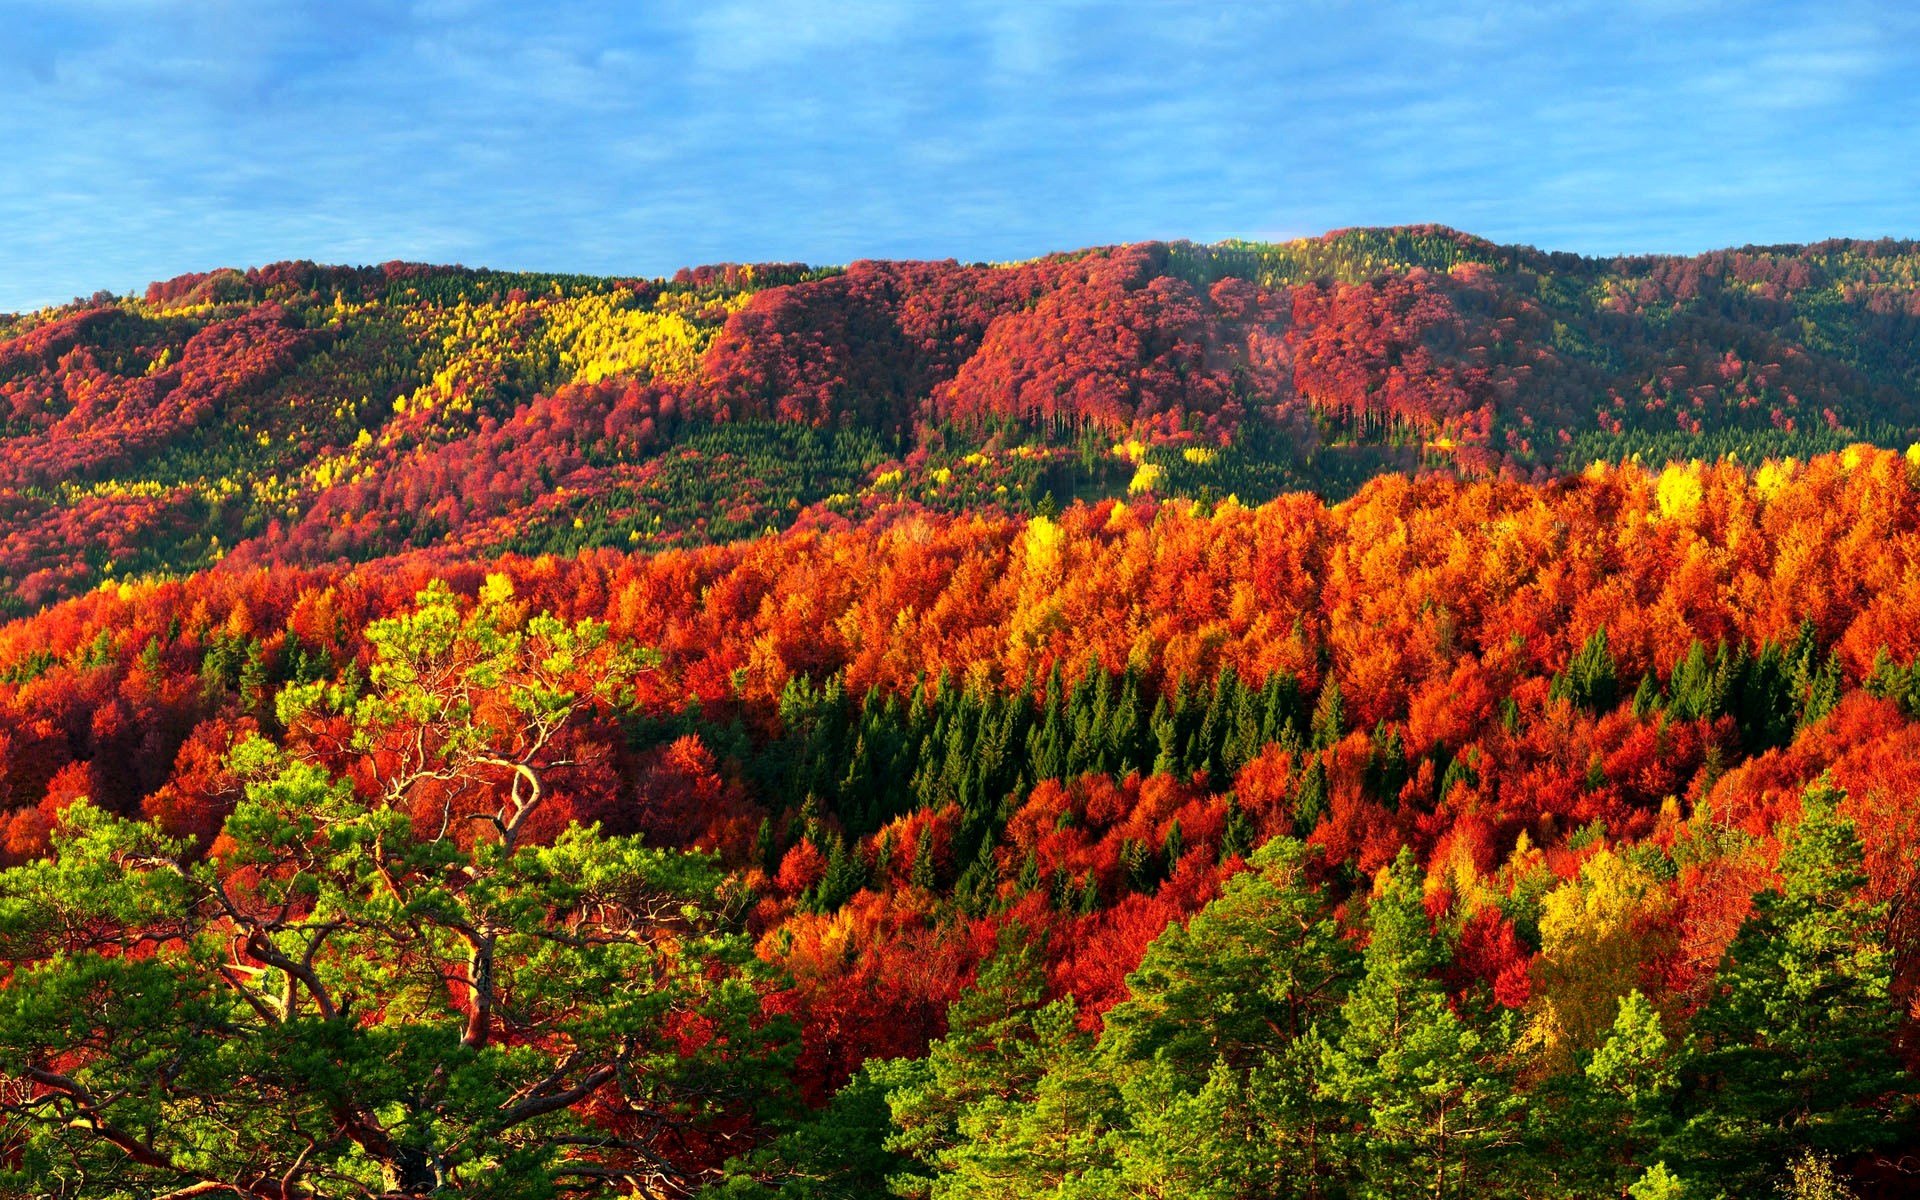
{"points": [[1385, 715], [301, 415]]}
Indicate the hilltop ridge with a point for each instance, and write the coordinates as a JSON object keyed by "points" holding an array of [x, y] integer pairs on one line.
{"points": [[300, 414]]}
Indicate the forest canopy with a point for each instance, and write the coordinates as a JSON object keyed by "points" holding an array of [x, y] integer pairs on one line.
{"points": [[1380, 715]]}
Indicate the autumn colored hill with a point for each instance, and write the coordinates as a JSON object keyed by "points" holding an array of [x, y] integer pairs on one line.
{"points": [[301, 415], [1381, 715]]}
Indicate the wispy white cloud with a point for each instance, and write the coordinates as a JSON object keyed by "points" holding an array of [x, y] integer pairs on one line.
{"points": [[147, 138]]}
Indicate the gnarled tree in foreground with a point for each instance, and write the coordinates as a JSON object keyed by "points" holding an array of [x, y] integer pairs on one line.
{"points": [[378, 982]]}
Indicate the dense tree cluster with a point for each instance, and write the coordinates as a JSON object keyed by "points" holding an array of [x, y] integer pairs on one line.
{"points": [[915, 729], [299, 414], [1598, 787]]}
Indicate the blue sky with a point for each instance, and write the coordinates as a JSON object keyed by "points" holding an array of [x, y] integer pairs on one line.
{"points": [[143, 138]]}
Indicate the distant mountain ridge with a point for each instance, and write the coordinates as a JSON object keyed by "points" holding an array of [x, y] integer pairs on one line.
{"points": [[304, 414]]}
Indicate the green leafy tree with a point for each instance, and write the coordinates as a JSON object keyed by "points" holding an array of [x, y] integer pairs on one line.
{"points": [[1799, 1043], [1658, 1183], [1811, 1177], [838, 1153], [1600, 1126], [1430, 1092], [1218, 1048], [344, 1000], [1003, 1036]]}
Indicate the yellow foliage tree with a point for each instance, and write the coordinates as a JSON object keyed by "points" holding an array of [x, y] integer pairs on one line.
{"points": [[1598, 933]]}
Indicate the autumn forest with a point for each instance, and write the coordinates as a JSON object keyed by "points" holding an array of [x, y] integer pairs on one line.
{"points": [[1382, 715]]}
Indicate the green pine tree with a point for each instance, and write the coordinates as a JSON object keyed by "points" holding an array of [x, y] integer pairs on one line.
{"points": [[1218, 1049], [1002, 1037], [837, 1153], [1310, 798], [1329, 715], [1166, 740], [924, 874], [1798, 1047], [1591, 680], [1429, 1090], [1622, 1105]]}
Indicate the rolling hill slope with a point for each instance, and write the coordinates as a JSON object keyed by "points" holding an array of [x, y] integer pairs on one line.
{"points": [[686, 735], [297, 414]]}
